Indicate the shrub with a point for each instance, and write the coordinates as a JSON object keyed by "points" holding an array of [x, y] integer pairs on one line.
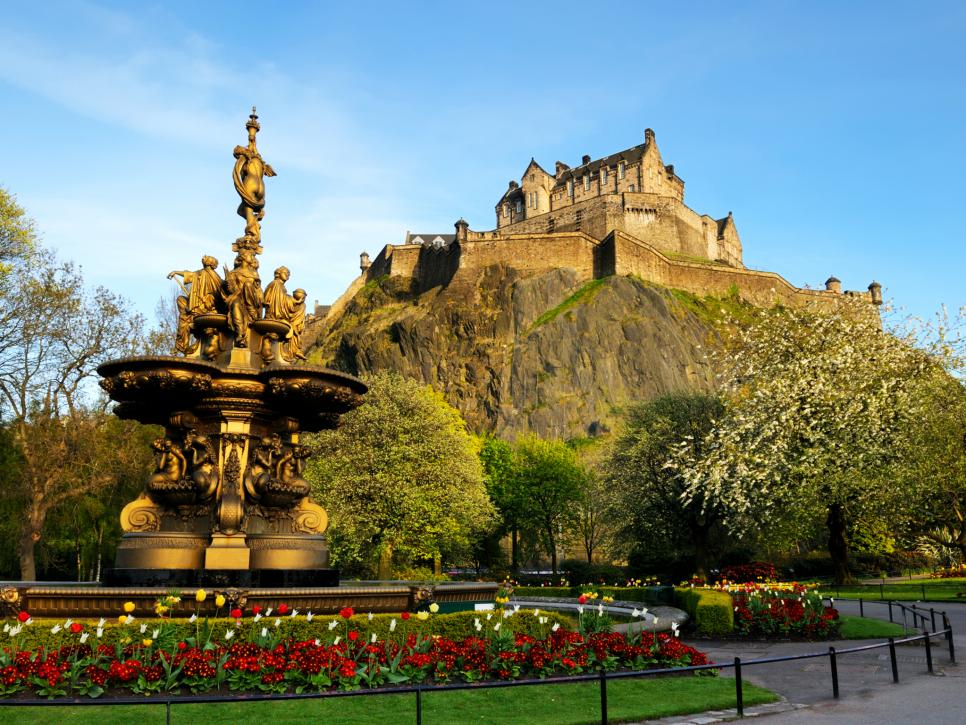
{"points": [[581, 572], [647, 595], [711, 611]]}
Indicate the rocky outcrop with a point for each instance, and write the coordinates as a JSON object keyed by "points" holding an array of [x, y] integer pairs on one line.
{"points": [[514, 352]]}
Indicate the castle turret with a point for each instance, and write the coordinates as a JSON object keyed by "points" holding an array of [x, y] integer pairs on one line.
{"points": [[833, 284], [364, 262], [875, 291], [462, 227]]}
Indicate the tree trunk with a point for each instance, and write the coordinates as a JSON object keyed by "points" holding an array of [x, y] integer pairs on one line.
{"points": [[514, 550], [838, 545], [28, 566], [385, 562], [699, 540], [437, 564]]}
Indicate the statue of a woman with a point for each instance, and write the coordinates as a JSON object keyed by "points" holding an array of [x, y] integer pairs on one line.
{"points": [[243, 294], [202, 294], [248, 176]]}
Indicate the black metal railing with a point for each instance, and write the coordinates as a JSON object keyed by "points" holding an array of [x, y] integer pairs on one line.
{"points": [[601, 677]]}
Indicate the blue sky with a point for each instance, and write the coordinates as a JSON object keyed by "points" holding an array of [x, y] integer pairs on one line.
{"points": [[835, 132]]}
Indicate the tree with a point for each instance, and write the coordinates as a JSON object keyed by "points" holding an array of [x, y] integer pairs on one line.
{"points": [[401, 478], [650, 487], [496, 455], [818, 405], [54, 332], [548, 476], [17, 232]]}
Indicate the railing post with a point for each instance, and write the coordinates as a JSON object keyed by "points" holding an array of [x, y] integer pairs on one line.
{"points": [[882, 591], [932, 617], [890, 610], [419, 705], [947, 625], [892, 657], [905, 626], [739, 695], [861, 607], [167, 712], [835, 672], [928, 650], [603, 697]]}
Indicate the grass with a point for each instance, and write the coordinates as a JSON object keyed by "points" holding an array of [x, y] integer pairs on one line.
{"points": [[715, 311], [570, 704], [936, 590], [866, 628], [583, 295]]}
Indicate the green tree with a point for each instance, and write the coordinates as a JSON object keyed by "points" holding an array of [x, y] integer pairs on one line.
{"points": [[54, 332], [650, 488], [548, 476], [496, 455], [818, 407], [401, 478], [17, 233]]}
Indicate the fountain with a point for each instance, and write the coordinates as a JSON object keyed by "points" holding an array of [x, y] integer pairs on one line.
{"points": [[226, 506]]}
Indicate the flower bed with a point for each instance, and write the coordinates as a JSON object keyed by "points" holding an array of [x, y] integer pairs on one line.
{"points": [[785, 610], [756, 571], [251, 655]]}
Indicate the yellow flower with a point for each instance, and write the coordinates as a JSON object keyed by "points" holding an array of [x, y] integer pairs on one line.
{"points": [[220, 600], [422, 616], [122, 619], [128, 607], [201, 595], [434, 607], [147, 642]]}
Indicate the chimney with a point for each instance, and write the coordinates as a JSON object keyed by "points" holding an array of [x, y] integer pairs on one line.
{"points": [[648, 135], [513, 184], [833, 284], [585, 160], [561, 167]]}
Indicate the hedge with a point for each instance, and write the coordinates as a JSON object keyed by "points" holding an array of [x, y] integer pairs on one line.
{"points": [[648, 595], [711, 611], [456, 626]]}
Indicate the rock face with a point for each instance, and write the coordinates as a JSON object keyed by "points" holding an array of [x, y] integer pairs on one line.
{"points": [[548, 353]]}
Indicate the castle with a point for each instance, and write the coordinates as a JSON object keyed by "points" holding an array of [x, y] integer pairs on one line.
{"points": [[623, 214]]}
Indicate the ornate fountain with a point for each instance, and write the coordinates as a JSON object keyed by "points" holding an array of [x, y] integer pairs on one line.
{"points": [[227, 507], [227, 502]]}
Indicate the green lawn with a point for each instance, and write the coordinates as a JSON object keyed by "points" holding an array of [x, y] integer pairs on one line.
{"points": [[867, 628], [936, 590], [570, 704]]}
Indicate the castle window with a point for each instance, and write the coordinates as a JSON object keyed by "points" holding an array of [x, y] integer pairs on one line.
{"points": [[603, 175], [550, 224], [586, 182], [578, 218], [506, 210], [519, 206], [621, 170], [630, 188], [570, 188]]}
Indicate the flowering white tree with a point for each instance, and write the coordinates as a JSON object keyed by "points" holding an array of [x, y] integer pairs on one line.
{"points": [[819, 407]]}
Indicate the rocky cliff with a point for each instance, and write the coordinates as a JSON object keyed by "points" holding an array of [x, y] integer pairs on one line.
{"points": [[547, 353]]}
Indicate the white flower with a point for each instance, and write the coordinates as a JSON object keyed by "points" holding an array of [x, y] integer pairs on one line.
{"points": [[309, 616], [489, 616], [294, 612], [477, 625], [674, 628], [144, 628], [155, 633], [635, 612], [333, 624], [264, 631], [372, 639], [555, 627], [318, 642], [30, 620], [229, 634], [257, 617], [102, 622], [268, 612], [580, 609], [516, 608], [336, 641], [193, 618], [370, 615], [84, 636], [536, 612], [130, 618], [6, 627], [392, 625], [55, 629], [100, 632], [542, 620], [68, 623], [600, 609], [14, 631], [278, 622], [507, 613], [496, 627]]}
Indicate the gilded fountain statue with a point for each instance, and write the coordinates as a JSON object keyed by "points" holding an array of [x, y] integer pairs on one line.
{"points": [[227, 494]]}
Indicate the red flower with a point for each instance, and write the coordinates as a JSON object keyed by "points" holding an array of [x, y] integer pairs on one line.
{"points": [[23, 617], [346, 612], [353, 636], [283, 609], [405, 615], [237, 613], [182, 646], [257, 609], [76, 627], [582, 599]]}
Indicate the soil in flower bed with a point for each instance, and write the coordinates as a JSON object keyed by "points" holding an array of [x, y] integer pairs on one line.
{"points": [[559, 704]]}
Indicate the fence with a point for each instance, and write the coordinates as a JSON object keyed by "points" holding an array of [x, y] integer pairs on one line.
{"points": [[602, 677]]}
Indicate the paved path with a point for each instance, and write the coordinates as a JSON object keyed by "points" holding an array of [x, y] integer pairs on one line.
{"points": [[868, 694]]}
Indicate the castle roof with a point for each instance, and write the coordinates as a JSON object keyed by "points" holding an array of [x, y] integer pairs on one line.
{"points": [[439, 240], [630, 156]]}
